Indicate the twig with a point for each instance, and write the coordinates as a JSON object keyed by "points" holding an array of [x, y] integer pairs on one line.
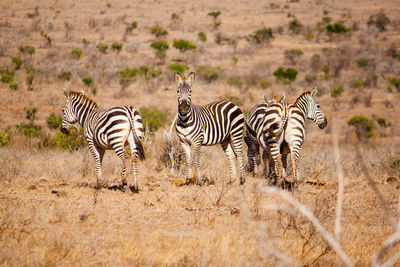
{"points": [[339, 171], [311, 217], [372, 184]]}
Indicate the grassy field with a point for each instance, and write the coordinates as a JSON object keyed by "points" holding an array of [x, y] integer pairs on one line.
{"points": [[51, 215]]}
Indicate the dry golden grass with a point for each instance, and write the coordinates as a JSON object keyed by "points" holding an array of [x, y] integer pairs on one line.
{"points": [[49, 215]]}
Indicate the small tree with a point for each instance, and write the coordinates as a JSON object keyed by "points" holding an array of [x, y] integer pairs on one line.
{"points": [[102, 48], [117, 47], [260, 36], [215, 15], [158, 31], [77, 53], [160, 48], [184, 45], [295, 26], [379, 20], [202, 36], [88, 81]]}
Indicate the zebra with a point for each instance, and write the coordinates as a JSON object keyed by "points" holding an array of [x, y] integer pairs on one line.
{"points": [[292, 137], [220, 122], [253, 125], [106, 129]]}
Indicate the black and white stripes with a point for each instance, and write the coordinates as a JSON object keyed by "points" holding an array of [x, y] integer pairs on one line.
{"points": [[220, 122], [106, 129]]}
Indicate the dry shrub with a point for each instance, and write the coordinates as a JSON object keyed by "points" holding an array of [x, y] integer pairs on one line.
{"points": [[313, 246], [171, 155]]}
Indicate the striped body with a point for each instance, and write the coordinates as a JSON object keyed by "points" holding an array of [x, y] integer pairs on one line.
{"points": [[267, 115], [106, 129], [220, 122], [292, 136]]}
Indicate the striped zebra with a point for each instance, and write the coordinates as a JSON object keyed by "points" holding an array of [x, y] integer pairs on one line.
{"points": [[253, 125], [220, 122], [292, 137], [106, 129]]}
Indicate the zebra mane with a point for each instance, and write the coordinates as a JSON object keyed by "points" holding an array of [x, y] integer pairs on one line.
{"points": [[83, 96], [301, 96]]}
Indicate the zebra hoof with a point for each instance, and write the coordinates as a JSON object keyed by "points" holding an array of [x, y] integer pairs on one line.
{"points": [[134, 189]]}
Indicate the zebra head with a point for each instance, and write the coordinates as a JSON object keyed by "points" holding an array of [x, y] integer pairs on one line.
{"points": [[69, 114], [314, 111], [184, 91]]}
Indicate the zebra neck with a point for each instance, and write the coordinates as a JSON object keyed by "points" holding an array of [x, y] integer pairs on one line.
{"points": [[184, 120], [303, 106], [84, 111]]}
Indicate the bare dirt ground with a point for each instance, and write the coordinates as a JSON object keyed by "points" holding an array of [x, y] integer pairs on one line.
{"points": [[49, 215]]}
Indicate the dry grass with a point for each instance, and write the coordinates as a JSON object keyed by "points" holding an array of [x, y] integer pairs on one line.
{"points": [[49, 213]]}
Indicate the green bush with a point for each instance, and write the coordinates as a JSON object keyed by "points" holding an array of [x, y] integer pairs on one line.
{"points": [[88, 81], [158, 31], [176, 67], [356, 83], [184, 45], [29, 80], [153, 118], [102, 48], [285, 75], [117, 47], [65, 75], [130, 27], [236, 81], [149, 72], [264, 84], [309, 37], [364, 126], [71, 141], [295, 26], [85, 42], [260, 36], [17, 62], [27, 49], [327, 71], [29, 130], [46, 37], [336, 91], [336, 28], [214, 14], [380, 20], [160, 47], [202, 36], [77, 53], [395, 82], [208, 73], [7, 76], [5, 136], [13, 86], [383, 123], [127, 76], [54, 121]]}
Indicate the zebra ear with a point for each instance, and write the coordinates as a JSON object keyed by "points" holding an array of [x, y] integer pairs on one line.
{"points": [[178, 77], [282, 97], [66, 92], [265, 98], [190, 78], [314, 92]]}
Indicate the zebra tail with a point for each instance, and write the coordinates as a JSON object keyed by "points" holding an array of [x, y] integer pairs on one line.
{"points": [[138, 141], [283, 122]]}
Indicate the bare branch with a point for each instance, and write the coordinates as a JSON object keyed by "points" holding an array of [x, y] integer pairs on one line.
{"points": [[310, 216], [339, 171]]}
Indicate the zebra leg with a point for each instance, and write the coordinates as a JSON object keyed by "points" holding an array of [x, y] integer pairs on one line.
{"points": [[98, 154], [196, 152], [265, 157], [228, 149], [276, 155], [186, 149], [295, 165], [119, 150], [134, 170], [251, 160], [236, 143]]}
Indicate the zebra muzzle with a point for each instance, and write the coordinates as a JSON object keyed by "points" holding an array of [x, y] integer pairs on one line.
{"points": [[323, 124], [184, 107]]}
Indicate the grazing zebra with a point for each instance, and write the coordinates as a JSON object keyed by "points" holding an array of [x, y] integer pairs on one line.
{"points": [[292, 137], [253, 126], [106, 129], [220, 122]]}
